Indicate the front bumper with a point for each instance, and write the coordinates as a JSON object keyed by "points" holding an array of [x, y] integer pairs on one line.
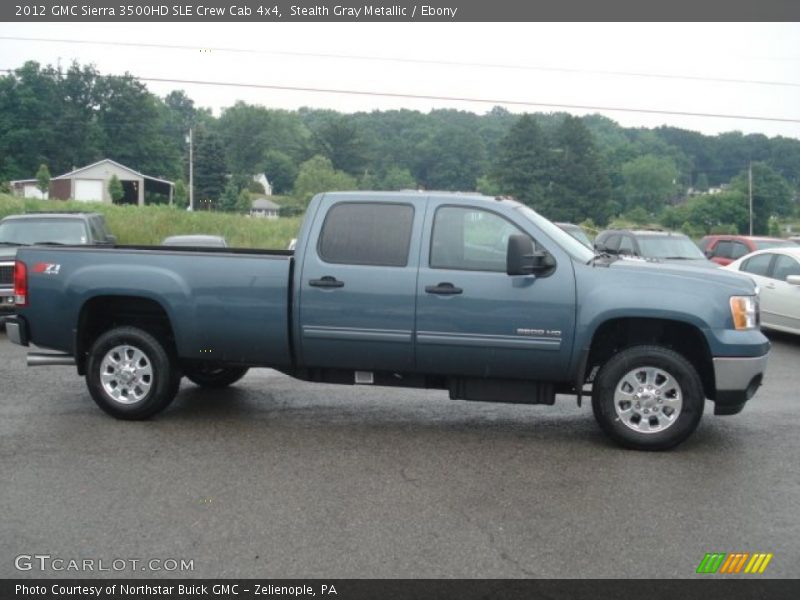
{"points": [[737, 379]]}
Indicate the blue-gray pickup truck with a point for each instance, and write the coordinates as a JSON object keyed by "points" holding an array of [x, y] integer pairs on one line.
{"points": [[479, 296]]}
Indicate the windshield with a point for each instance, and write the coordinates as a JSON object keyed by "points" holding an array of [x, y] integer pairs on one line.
{"points": [[672, 246], [30, 231], [568, 243], [763, 245]]}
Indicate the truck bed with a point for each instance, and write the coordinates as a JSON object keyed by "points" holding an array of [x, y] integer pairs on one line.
{"points": [[232, 306]]}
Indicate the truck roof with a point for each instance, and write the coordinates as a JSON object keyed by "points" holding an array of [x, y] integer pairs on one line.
{"points": [[389, 196]]}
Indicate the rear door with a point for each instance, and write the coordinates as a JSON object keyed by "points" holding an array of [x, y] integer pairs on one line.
{"points": [[358, 285], [472, 318], [780, 300]]}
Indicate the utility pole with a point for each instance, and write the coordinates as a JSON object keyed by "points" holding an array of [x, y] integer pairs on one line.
{"points": [[750, 192], [191, 171]]}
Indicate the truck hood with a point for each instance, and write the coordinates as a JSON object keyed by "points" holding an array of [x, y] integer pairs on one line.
{"points": [[701, 275]]}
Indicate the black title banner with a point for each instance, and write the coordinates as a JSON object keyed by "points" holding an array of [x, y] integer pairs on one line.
{"points": [[399, 10]]}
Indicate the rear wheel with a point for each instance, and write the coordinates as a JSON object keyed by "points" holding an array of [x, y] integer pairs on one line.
{"points": [[130, 375], [648, 398], [213, 376]]}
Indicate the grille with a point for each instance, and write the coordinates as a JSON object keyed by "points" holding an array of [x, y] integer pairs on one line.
{"points": [[6, 275]]}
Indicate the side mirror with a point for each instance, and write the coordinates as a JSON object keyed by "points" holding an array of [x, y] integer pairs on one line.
{"points": [[709, 253], [522, 258], [793, 279], [599, 247], [111, 239]]}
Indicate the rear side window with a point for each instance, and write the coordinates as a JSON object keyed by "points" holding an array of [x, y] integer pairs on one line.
{"points": [[758, 265], [738, 250], [364, 233], [785, 266], [723, 249]]}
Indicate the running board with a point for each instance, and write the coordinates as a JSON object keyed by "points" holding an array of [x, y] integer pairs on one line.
{"points": [[42, 359]]}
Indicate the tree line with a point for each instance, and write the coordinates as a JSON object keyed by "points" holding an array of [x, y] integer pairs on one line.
{"points": [[580, 169]]}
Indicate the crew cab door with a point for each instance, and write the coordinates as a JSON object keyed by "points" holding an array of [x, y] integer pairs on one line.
{"points": [[474, 319], [358, 285]]}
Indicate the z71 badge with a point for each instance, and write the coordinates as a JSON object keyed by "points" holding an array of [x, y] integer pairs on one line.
{"points": [[47, 268]]}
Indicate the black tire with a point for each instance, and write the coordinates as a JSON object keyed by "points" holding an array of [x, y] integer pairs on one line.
{"points": [[214, 377], [629, 435], [162, 382]]}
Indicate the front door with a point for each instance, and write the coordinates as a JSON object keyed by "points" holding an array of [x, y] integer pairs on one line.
{"points": [[472, 318]]}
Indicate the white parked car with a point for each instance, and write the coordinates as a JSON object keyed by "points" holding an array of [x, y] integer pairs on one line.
{"points": [[777, 273]]}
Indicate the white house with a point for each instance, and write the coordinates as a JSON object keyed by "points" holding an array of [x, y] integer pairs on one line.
{"points": [[264, 208], [262, 179]]}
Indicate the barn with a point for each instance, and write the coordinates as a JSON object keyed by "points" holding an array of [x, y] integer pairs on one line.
{"points": [[90, 184]]}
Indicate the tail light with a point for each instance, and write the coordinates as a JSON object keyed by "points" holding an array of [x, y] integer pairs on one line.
{"points": [[20, 283]]}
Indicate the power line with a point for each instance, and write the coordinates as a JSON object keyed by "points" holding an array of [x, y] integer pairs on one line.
{"points": [[492, 101], [448, 63]]}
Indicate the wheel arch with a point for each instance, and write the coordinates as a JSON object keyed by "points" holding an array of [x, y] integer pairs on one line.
{"points": [[617, 334], [103, 312]]}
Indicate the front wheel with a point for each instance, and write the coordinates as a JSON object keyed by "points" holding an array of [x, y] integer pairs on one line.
{"points": [[214, 377], [130, 374], [648, 398]]}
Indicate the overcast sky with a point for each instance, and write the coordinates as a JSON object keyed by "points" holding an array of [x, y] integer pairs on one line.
{"points": [[753, 52]]}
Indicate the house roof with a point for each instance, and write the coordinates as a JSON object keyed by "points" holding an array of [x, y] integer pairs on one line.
{"points": [[116, 164], [263, 203]]}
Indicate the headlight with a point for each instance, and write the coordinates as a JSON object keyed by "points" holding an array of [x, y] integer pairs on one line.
{"points": [[744, 310]]}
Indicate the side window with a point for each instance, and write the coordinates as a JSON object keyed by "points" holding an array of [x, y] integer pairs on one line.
{"points": [[739, 250], [723, 249], [626, 245], [758, 265], [785, 266], [363, 233], [612, 242], [470, 239], [98, 233]]}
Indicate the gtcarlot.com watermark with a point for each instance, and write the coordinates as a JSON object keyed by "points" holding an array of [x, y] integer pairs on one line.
{"points": [[59, 564]]}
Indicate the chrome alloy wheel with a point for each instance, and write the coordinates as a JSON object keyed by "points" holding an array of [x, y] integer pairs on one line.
{"points": [[648, 400], [126, 374]]}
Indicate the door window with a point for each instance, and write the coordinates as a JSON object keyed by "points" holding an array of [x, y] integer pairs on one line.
{"points": [[626, 245], [363, 233], [758, 265], [470, 239], [785, 266], [738, 250], [723, 249]]}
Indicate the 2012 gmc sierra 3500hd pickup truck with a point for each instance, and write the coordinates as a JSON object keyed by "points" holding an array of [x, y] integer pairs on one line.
{"points": [[477, 295]]}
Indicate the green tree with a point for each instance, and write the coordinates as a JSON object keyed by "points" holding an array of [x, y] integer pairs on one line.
{"points": [[579, 187], [115, 189], [229, 197], [522, 166], [772, 195], [318, 175], [209, 168], [43, 179], [649, 182], [181, 194], [338, 139], [244, 202], [281, 171]]}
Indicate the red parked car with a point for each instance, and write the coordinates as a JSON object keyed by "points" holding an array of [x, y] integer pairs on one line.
{"points": [[724, 249]]}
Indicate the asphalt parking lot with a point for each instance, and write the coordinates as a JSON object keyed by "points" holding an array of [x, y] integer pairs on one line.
{"points": [[277, 478]]}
